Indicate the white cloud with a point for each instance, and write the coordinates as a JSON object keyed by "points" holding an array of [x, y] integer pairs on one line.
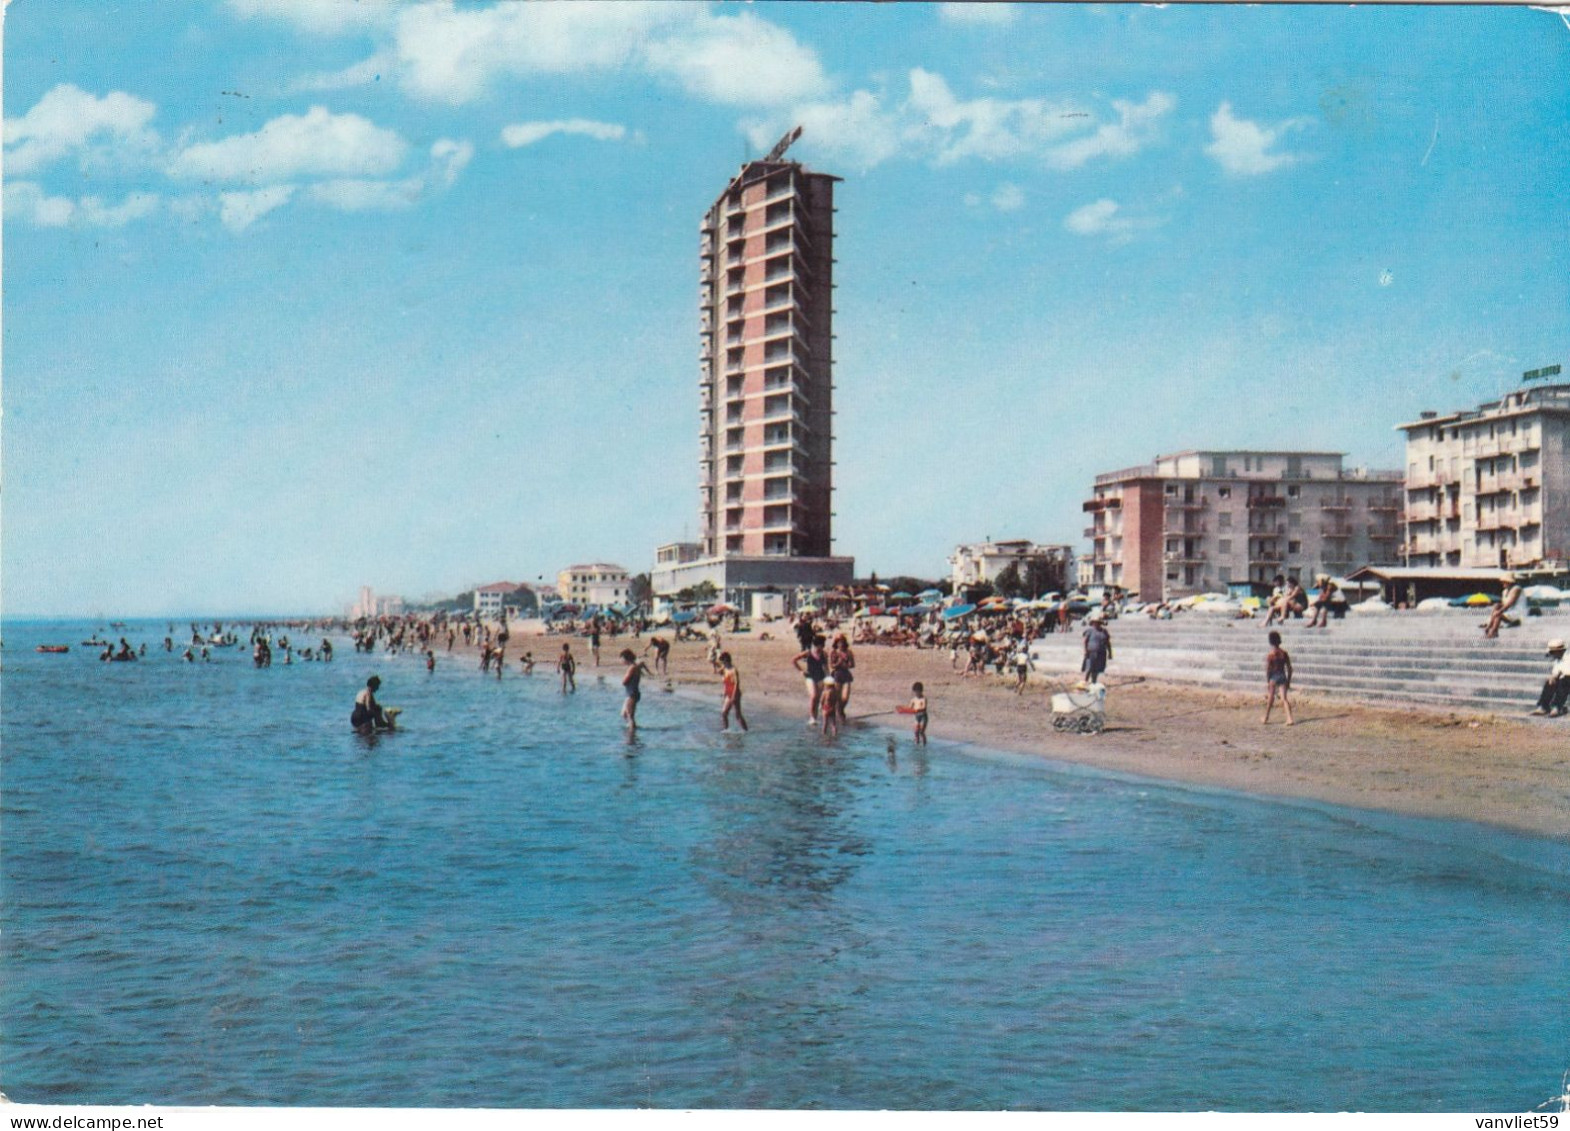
{"points": [[68, 119], [448, 159], [317, 143], [1243, 148], [1008, 198], [527, 133], [26, 200], [932, 123], [1135, 128], [453, 55], [239, 210], [858, 131], [367, 196], [1106, 218], [440, 51], [989, 128], [356, 74], [737, 60], [978, 12], [321, 17]]}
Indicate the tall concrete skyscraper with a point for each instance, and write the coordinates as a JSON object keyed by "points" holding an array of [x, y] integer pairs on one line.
{"points": [[766, 385]]}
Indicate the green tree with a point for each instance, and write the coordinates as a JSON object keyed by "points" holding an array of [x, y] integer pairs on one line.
{"points": [[640, 591], [1008, 581], [524, 598], [1042, 576]]}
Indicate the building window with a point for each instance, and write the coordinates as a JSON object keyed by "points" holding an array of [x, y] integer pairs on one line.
{"points": [[1224, 492], [1224, 520], [1225, 546], [1293, 491], [1294, 547]]}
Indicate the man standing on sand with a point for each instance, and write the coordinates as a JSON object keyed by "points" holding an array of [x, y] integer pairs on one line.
{"points": [[1556, 690]]}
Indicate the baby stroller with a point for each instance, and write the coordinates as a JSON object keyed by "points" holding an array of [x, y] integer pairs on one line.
{"points": [[1080, 711]]}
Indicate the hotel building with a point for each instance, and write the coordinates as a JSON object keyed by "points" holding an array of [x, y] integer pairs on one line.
{"points": [[766, 386], [1490, 487], [976, 562], [1199, 522]]}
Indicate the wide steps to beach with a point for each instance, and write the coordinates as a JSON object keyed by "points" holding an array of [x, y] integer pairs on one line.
{"points": [[1435, 660]]}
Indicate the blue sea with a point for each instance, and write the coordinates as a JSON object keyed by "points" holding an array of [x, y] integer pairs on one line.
{"points": [[215, 893]]}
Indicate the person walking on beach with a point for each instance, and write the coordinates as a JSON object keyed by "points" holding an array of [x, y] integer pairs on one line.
{"points": [[568, 667], [1098, 648], [1278, 677], [1507, 601], [731, 687], [594, 639], [814, 672], [1556, 689], [842, 661], [631, 680]]}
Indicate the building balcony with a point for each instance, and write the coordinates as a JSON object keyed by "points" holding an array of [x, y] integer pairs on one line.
{"points": [[1185, 530], [1265, 557], [1187, 504], [1497, 521], [1255, 532], [1384, 506], [1092, 532], [1183, 556], [1257, 502], [1335, 504]]}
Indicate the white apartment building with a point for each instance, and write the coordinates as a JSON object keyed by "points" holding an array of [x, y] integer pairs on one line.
{"points": [[1490, 487], [1199, 522], [976, 562], [595, 583]]}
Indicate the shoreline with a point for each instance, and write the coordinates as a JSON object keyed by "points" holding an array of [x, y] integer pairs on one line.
{"points": [[1418, 763]]}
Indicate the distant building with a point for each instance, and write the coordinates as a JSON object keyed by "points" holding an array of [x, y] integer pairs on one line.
{"points": [[766, 385], [976, 562], [597, 583], [368, 606], [1490, 487], [1198, 522], [488, 599]]}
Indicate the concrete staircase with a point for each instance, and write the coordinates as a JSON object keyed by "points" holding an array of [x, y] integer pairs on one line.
{"points": [[1437, 660]]}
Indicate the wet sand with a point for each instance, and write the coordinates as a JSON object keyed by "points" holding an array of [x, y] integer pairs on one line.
{"points": [[1509, 772]]}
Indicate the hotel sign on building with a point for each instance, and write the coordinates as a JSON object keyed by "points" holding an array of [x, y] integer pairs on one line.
{"points": [[1199, 522], [1490, 486]]}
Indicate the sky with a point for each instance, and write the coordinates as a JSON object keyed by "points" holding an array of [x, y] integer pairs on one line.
{"points": [[304, 295]]}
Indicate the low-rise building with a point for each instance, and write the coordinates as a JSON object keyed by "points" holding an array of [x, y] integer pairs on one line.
{"points": [[595, 583], [488, 599], [1490, 487], [1200, 522], [975, 562]]}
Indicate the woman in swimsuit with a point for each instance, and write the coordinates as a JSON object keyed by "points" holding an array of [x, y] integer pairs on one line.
{"points": [[815, 672], [636, 670], [732, 692]]}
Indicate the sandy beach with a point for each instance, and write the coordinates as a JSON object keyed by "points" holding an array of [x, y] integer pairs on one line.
{"points": [[1500, 771]]}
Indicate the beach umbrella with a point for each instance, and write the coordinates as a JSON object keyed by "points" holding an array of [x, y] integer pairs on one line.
{"points": [[1477, 599], [808, 609], [684, 617], [722, 608], [901, 596], [958, 611], [927, 594]]}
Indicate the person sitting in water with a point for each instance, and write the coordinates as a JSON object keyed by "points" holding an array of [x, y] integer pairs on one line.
{"points": [[368, 714]]}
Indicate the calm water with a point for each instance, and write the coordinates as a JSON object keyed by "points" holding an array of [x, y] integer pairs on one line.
{"points": [[215, 894]]}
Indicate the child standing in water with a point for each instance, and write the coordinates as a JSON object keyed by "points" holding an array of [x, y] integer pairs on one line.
{"points": [[732, 691], [630, 681], [1278, 677], [917, 707]]}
